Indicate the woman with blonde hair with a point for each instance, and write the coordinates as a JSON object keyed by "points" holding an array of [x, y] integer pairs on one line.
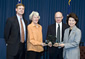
{"points": [[34, 42]]}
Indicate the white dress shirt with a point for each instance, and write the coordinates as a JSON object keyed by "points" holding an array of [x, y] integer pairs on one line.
{"points": [[23, 26], [60, 30]]}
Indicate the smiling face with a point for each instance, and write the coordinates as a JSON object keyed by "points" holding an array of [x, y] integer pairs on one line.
{"points": [[35, 19], [71, 22], [58, 17], [20, 10]]}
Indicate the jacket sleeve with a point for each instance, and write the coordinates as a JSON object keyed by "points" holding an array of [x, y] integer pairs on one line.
{"points": [[7, 29]]}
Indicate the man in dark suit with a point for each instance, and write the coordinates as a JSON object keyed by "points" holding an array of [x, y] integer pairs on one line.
{"points": [[15, 34], [57, 30]]}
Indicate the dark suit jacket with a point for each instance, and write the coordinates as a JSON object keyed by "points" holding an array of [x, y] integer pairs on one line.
{"points": [[12, 35], [52, 31]]}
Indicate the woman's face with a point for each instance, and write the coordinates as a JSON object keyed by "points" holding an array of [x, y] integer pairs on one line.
{"points": [[71, 22], [35, 19]]}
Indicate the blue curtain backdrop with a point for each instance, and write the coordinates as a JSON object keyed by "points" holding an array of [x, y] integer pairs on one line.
{"points": [[46, 9]]}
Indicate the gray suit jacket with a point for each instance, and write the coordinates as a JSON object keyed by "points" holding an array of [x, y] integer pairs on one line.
{"points": [[71, 49]]}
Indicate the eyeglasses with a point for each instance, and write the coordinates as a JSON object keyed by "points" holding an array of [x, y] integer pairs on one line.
{"points": [[58, 17]]}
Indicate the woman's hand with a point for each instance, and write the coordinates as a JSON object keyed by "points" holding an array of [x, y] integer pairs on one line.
{"points": [[61, 45], [43, 44]]}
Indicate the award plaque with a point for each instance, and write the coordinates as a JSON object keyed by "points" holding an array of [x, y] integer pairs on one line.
{"points": [[52, 39]]}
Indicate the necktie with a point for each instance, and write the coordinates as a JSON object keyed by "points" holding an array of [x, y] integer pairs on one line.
{"points": [[22, 31], [58, 33]]}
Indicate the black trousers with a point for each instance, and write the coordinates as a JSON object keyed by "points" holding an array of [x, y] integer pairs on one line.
{"points": [[20, 54], [55, 53], [34, 55]]}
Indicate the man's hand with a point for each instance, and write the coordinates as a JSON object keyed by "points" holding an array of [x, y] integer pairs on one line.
{"points": [[50, 44], [56, 45]]}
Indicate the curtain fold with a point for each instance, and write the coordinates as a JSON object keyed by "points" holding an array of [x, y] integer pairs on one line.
{"points": [[46, 9]]}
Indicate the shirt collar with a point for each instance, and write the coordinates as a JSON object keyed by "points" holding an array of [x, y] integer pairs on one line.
{"points": [[74, 28], [35, 25], [59, 23], [18, 16]]}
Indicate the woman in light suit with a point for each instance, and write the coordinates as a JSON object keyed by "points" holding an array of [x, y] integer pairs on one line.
{"points": [[72, 37]]}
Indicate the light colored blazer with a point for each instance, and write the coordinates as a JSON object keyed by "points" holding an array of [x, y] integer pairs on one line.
{"points": [[71, 49]]}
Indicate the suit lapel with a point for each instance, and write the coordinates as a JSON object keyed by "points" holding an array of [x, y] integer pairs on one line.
{"points": [[55, 29], [18, 27], [17, 24], [72, 32], [63, 28]]}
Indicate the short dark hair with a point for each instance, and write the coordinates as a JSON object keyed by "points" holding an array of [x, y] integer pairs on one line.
{"points": [[20, 4], [73, 15]]}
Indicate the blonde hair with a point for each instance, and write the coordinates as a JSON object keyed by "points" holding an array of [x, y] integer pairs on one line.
{"points": [[32, 14]]}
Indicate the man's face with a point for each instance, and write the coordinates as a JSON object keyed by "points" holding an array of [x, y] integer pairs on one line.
{"points": [[58, 17], [20, 10]]}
